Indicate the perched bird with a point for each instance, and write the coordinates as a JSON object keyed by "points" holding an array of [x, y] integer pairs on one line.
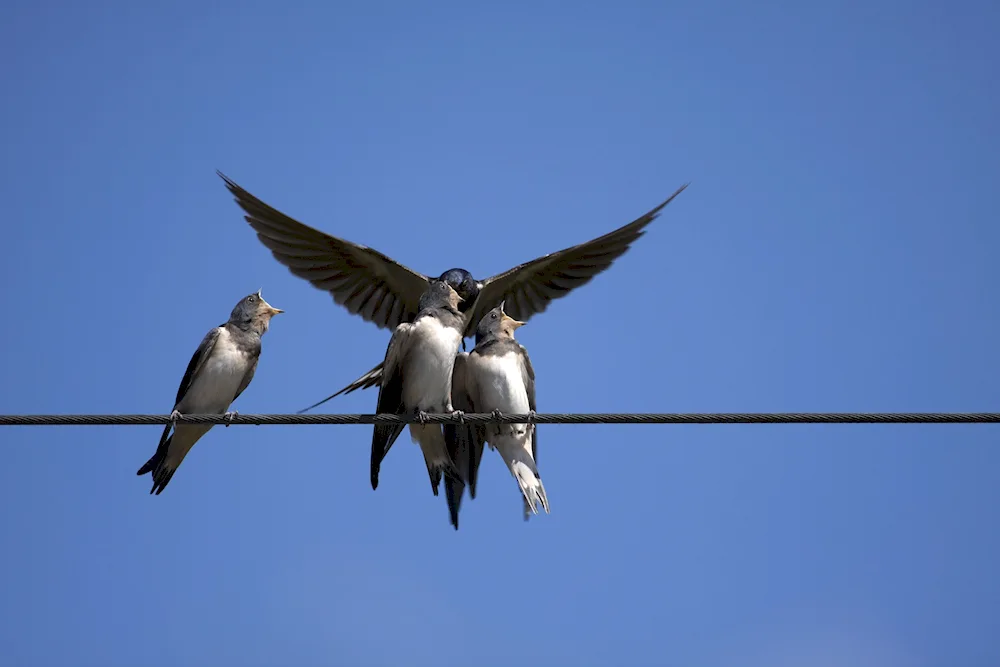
{"points": [[417, 380], [495, 377], [217, 374], [385, 292]]}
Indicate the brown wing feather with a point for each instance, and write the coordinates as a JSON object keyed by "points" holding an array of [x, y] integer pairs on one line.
{"points": [[529, 288], [363, 280]]}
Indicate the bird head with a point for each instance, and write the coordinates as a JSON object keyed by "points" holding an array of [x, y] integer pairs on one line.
{"points": [[253, 310], [497, 324], [463, 283], [440, 294]]}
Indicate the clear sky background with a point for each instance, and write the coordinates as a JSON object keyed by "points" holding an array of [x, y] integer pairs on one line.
{"points": [[836, 251]]}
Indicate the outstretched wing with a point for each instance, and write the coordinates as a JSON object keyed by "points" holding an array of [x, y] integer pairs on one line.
{"points": [[361, 279], [390, 398], [529, 288], [464, 441]]}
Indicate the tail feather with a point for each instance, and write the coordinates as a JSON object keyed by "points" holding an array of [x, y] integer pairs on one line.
{"points": [[149, 465], [516, 454], [531, 486], [383, 437], [453, 491], [170, 454], [464, 445], [430, 437], [438, 469], [157, 464]]}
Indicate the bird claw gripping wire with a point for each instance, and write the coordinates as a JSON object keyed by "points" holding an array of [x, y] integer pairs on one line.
{"points": [[422, 417], [174, 416], [459, 415], [531, 416], [496, 414], [230, 416]]}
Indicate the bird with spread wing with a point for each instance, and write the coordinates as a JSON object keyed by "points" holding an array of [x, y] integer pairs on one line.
{"points": [[383, 291]]}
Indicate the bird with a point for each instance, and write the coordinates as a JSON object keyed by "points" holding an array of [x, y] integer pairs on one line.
{"points": [[496, 377], [382, 291], [220, 370], [417, 380]]}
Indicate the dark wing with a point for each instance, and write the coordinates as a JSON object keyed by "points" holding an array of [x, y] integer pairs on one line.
{"points": [[528, 373], [361, 279], [529, 288], [203, 352], [194, 366], [390, 399], [464, 441]]}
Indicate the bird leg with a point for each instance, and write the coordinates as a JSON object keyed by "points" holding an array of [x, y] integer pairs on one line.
{"points": [[458, 414], [230, 416], [174, 416], [422, 417]]}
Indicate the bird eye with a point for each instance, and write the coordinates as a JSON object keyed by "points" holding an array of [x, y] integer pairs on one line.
{"points": [[252, 299], [493, 315]]}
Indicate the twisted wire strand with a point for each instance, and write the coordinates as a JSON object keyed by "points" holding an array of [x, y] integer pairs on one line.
{"points": [[490, 418]]}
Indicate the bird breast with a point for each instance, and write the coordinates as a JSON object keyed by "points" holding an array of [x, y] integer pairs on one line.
{"points": [[218, 380], [429, 364], [500, 384]]}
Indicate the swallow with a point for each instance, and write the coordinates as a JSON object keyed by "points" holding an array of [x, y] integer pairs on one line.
{"points": [[383, 291], [417, 380], [220, 370], [496, 377]]}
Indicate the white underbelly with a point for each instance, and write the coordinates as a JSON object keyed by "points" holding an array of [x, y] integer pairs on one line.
{"points": [[429, 364], [217, 382], [501, 386]]}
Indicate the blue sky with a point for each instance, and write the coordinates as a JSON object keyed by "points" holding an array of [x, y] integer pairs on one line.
{"points": [[834, 252]]}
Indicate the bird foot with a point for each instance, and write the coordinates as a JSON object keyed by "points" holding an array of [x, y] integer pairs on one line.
{"points": [[531, 416], [174, 416], [422, 418], [496, 414], [459, 415], [230, 416]]}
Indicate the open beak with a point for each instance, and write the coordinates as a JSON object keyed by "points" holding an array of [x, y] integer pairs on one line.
{"points": [[271, 310], [508, 318]]}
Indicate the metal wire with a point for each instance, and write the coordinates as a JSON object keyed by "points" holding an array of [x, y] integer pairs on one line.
{"points": [[496, 418]]}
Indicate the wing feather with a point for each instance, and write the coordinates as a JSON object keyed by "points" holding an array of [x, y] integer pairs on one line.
{"points": [[390, 398], [464, 441], [352, 274], [529, 288], [198, 360]]}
